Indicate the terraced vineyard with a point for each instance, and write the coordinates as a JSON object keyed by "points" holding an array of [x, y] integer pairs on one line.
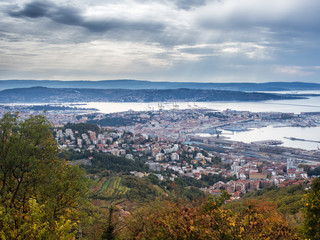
{"points": [[109, 189]]}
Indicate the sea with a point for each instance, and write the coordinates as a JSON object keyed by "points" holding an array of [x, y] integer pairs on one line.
{"points": [[286, 106], [310, 104]]}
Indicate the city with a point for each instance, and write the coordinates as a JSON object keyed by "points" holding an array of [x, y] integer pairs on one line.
{"points": [[172, 141]]}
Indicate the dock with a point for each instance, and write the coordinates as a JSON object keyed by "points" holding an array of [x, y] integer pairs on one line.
{"points": [[301, 139]]}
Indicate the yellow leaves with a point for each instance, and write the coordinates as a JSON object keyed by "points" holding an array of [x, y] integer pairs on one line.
{"points": [[35, 177], [312, 210], [184, 221]]}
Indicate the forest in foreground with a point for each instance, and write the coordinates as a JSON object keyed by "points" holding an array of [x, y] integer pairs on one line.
{"points": [[43, 196]]}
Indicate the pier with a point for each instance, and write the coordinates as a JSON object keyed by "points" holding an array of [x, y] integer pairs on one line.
{"points": [[268, 142], [301, 139]]}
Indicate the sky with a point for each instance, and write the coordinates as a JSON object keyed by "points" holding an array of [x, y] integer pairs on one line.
{"points": [[161, 40]]}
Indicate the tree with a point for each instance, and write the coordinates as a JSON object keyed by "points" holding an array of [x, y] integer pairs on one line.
{"points": [[261, 220], [109, 231], [37, 190], [312, 210], [206, 220]]}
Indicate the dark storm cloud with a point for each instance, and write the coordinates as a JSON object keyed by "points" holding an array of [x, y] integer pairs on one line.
{"points": [[32, 10], [72, 16]]}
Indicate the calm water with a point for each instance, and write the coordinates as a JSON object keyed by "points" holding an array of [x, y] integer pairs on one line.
{"points": [[294, 106], [312, 133], [311, 104], [272, 133]]}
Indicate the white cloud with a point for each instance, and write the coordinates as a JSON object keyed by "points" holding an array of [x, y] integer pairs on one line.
{"points": [[293, 70], [248, 13], [97, 56]]}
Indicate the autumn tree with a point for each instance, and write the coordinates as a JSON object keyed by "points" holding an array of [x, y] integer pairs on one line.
{"points": [[40, 195], [312, 210], [261, 220], [206, 220]]}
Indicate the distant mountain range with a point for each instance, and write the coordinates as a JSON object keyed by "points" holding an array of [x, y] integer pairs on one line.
{"points": [[135, 84], [53, 95]]}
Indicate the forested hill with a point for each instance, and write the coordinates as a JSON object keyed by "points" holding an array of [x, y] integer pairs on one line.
{"points": [[135, 84], [43, 94]]}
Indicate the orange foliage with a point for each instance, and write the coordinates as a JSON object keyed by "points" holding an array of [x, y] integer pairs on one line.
{"points": [[179, 220]]}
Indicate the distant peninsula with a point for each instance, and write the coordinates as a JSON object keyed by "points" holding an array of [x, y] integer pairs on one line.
{"points": [[59, 95], [138, 84]]}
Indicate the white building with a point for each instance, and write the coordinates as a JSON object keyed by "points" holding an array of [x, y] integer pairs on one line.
{"points": [[174, 157], [160, 157]]}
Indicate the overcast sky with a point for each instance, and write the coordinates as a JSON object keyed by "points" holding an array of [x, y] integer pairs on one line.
{"points": [[161, 40]]}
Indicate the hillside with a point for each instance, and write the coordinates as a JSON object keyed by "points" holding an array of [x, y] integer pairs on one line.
{"points": [[47, 95], [288, 199]]}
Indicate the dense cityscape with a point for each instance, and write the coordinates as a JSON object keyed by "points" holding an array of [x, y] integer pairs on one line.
{"points": [[172, 140]]}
